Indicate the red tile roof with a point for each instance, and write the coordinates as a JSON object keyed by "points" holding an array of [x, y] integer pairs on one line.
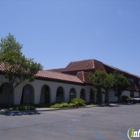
{"points": [[57, 70], [58, 76], [89, 64], [125, 72], [80, 65], [83, 76], [80, 71]]}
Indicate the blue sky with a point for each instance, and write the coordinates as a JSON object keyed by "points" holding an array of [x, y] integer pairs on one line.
{"points": [[55, 32]]}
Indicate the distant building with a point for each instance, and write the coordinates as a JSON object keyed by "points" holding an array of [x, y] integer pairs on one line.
{"points": [[61, 85]]}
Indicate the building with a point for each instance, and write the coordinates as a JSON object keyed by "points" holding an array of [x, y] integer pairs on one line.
{"points": [[61, 85]]}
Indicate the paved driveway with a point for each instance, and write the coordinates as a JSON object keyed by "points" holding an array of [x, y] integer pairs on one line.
{"points": [[97, 123]]}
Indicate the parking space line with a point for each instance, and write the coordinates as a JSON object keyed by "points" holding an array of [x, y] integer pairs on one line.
{"points": [[97, 134], [70, 130], [123, 135], [18, 121], [32, 126], [75, 120], [50, 125]]}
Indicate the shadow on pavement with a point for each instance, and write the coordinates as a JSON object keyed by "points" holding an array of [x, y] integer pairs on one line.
{"points": [[18, 113]]}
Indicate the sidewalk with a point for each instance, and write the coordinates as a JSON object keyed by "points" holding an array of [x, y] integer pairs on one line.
{"points": [[39, 110], [87, 106], [53, 109]]}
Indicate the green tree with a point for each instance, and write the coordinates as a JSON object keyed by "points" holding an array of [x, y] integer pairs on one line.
{"points": [[120, 83], [101, 80], [108, 84], [16, 67]]}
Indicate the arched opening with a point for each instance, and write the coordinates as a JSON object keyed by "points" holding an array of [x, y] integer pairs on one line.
{"points": [[5, 96], [92, 96], [27, 94], [72, 94], [82, 94], [60, 95], [45, 95]]}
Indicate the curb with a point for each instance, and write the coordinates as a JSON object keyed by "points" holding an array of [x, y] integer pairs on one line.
{"points": [[55, 109]]}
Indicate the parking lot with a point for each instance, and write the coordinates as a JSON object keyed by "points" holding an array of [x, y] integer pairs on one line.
{"points": [[96, 123]]}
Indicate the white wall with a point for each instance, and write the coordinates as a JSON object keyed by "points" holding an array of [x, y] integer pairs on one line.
{"points": [[126, 93], [136, 94], [38, 84], [112, 96]]}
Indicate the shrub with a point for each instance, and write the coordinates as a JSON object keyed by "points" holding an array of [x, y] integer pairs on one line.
{"points": [[71, 105], [15, 108], [56, 105], [60, 105], [78, 102], [22, 108], [125, 98], [64, 104]]}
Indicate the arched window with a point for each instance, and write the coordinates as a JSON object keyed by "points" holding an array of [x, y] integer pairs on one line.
{"points": [[72, 94], [60, 95], [45, 95], [5, 96], [27, 94], [82, 94]]}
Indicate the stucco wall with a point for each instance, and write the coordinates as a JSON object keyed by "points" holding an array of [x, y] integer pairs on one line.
{"points": [[53, 86], [136, 94]]}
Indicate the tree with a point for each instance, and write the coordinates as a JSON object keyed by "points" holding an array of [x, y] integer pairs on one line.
{"points": [[16, 67], [108, 83], [120, 83], [116, 81], [101, 80]]}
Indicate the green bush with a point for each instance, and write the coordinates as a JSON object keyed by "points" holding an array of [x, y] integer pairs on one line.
{"points": [[125, 98], [15, 108], [56, 105], [61, 105], [75, 102], [78, 102], [22, 108], [71, 105], [64, 104]]}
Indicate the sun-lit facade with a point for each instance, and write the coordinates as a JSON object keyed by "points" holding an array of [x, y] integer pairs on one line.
{"points": [[61, 85]]}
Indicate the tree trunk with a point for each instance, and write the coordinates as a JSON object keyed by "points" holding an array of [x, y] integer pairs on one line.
{"points": [[10, 95], [119, 96], [99, 96], [107, 97]]}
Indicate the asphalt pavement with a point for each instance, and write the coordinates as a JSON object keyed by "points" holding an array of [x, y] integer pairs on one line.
{"points": [[91, 123]]}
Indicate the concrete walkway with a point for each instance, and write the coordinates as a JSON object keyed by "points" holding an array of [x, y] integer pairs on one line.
{"points": [[39, 110]]}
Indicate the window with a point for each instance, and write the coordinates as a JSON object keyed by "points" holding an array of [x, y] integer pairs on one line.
{"points": [[131, 94], [1, 89], [139, 84], [132, 83], [116, 94], [82, 94], [59, 95]]}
